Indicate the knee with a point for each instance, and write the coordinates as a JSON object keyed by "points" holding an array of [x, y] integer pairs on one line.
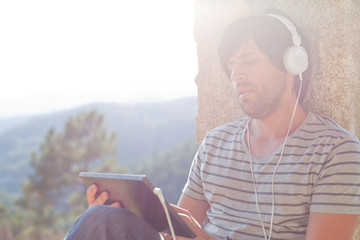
{"points": [[99, 222], [104, 213], [98, 210]]}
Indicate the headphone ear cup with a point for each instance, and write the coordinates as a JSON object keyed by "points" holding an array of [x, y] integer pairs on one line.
{"points": [[295, 60]]}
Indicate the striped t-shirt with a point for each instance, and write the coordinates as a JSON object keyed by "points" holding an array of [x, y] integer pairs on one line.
{"points": [[319, 172]]}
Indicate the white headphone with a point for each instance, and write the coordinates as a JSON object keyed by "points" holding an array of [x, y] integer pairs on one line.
{"points": [[296, 62], [295, 57]]}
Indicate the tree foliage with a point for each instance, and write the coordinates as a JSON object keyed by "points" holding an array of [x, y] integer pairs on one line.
{"points": [[53, 193], [53, 196], [141, 128]]}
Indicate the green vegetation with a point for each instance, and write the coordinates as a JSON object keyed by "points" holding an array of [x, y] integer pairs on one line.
{"points": [[52, 196], [141, 129]]}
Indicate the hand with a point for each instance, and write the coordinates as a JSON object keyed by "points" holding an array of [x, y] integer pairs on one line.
{"points": [[99, 200], [193, 224]]}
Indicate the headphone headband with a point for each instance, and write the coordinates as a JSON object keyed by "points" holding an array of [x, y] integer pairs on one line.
{"points": [[290, 26], [295, 57]]}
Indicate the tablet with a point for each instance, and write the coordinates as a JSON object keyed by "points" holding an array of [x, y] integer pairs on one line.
{"points": [[135, 192]]}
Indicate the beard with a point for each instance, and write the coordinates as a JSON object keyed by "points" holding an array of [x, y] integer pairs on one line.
{"points": [[266, 101]]}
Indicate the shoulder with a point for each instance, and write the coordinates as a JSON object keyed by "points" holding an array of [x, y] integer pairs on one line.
{"points": [[323, 126], [326, 132]]}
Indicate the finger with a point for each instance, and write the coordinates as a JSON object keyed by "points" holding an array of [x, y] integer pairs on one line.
{"points": [[101, 199], [91, 193], [186, 216], [180, 210], [166, 236], [116, 204]]}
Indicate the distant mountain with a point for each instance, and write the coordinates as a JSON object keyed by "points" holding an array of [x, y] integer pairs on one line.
{"points": [[142, 129], [8, 123]]}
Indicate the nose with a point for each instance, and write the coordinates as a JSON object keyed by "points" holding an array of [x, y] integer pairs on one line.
{"points": [[236, 75]]}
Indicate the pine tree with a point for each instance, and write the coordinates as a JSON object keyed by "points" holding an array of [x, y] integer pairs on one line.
{"points": [[53, 193]]}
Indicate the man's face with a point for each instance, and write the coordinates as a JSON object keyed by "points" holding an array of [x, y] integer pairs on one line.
{"points": [[258, 83]]}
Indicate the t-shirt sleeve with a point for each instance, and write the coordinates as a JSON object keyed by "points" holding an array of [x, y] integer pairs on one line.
{"points": [[337, 188], [193, 187]]}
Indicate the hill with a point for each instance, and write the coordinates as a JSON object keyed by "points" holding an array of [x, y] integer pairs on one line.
{"points": [[142, 129]]}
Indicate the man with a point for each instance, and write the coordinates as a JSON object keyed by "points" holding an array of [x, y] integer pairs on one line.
{"points": [[278, 173]]}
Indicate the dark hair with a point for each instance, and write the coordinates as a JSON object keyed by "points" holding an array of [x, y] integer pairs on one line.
{"points": [[270, 35]]}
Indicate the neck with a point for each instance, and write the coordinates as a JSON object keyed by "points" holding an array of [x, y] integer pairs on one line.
{"points": [[276, 124]]}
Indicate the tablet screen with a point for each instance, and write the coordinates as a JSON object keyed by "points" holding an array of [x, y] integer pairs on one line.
{"points": [[135, 192]]}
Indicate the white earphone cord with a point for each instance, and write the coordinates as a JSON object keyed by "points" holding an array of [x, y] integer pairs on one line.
{"points": [[275, 170], [158, 193]]}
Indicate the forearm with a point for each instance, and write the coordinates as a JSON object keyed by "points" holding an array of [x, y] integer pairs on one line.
{"points": [[327, 226]]}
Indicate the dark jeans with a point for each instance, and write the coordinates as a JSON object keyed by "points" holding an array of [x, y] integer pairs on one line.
{"points": [[111, 223]]}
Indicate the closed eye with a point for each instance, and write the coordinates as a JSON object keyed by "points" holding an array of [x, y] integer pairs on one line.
{"points": [[249, 60]]}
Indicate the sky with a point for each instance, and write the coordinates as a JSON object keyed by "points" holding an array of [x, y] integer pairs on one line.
{"points": [[58, 54]]}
